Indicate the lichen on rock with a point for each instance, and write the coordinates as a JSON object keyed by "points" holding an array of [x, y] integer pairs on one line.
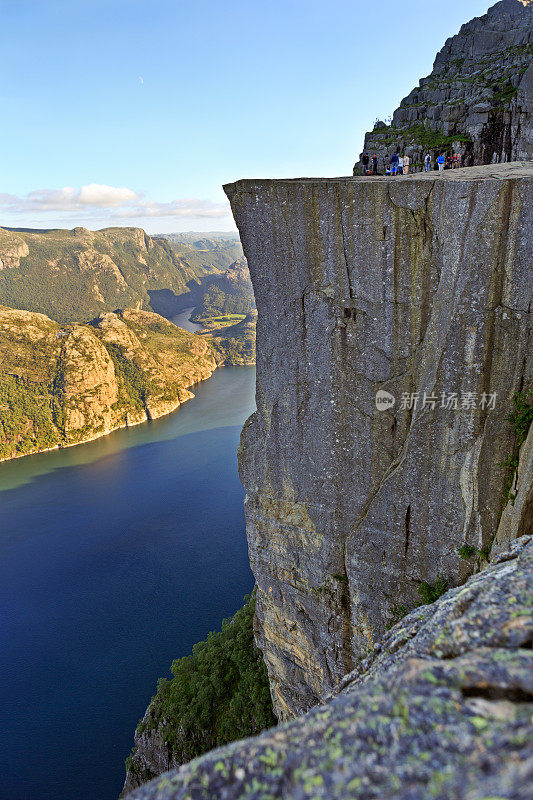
{"points": [[441, 708]]}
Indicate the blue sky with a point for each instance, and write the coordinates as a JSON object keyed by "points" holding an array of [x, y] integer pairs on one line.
{"points": [[119, 112]]}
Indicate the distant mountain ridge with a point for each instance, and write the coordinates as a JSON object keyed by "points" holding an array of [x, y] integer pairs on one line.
{"points": [[75, 275]]}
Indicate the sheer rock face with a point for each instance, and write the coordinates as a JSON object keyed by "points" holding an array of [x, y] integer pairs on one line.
{"points": [[441, 709], [412, 285], [479, 95]]}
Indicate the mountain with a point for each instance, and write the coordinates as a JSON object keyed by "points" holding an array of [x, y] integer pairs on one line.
{"points": [[64, 385], [74, 275], [478, 100], [217, 249]]}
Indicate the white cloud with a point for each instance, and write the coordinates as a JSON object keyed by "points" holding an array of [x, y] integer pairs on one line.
{"points": [[105, 196], [117, 202]]}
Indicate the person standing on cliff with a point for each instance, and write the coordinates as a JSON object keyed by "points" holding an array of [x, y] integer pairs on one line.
{"points": [[374, 164], [365, 159], [406, 162], [441, 161], [400, 165], [427, 162], [394, 163]]}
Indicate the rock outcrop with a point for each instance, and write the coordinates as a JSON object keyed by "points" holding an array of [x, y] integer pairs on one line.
{"points": [[442, 709], [418, 288], [478, 100], [61, 386]]}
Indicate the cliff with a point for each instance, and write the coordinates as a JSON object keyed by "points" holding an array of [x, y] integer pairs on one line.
{"points": [[441, 709], [418, 287], [61, 386], [478, 100]]}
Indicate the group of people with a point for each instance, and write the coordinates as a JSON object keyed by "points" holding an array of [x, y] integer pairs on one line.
{"points": [[444, 161], [399, 165]]}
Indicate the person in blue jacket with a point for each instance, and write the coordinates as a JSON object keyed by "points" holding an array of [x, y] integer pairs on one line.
{"points": [[394, 163], [441, 161]]}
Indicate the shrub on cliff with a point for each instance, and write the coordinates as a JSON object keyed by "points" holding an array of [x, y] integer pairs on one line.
{"points": [[218, 694]]}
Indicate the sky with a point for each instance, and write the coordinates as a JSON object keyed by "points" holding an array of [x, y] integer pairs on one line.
{"points": [[120, 112]]}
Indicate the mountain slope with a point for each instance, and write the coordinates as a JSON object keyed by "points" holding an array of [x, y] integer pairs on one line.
{"points": [[478, 100], [61, 386], [75, 275]]}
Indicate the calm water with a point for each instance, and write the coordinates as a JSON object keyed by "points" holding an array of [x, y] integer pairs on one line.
{"points": [[182, 321], [115, 558]]}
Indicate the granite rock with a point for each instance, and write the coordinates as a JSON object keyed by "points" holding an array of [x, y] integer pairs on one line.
{"points": [[441, 709], [417, 286], [477, 101]]}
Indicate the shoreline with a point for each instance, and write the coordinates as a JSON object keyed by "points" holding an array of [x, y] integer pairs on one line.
{"points": [[93, 438]]}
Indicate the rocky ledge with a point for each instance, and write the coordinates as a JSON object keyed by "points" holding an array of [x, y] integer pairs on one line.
{"points": [[441, 708]]}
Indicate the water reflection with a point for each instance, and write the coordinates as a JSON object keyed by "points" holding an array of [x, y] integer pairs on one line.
{"points": [[227, 398]]}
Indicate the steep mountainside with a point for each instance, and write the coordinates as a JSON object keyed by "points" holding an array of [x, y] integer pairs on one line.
{"points": [[228, 293], [418, 287], [60, 386], [478, 100], [219, 250], [236, 342], [442, 709], [73, 276]]}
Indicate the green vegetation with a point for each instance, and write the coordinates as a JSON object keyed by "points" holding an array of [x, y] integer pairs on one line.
{"points": [[218, 694], [26, 416], [431, 139], [429, 592], [466, 551], [134, 388], [484, 552], [503, 94], [341, 578], [520, 418], [223, 298], [398, 612], [228, 318]]}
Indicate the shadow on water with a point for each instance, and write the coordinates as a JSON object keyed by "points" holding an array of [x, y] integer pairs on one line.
{"points": [[115, 558], [227, 398]]}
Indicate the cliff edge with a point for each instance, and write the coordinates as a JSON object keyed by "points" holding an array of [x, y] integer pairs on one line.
{"points": [[441, 709], [393, 334]]}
